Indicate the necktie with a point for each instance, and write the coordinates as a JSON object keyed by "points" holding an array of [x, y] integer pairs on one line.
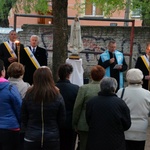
{"points": [[13, 46], [33, 50]]}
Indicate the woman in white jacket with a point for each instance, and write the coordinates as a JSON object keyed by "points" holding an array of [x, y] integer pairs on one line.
{"points": [[138, 101]]}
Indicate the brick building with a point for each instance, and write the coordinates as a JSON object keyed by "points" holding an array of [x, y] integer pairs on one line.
{"points": [[89, 11]]}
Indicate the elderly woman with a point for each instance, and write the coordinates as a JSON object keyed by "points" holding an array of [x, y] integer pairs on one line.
{"points": [[107, 117], [85, 93], [10, 107], [138, 101], [15, 72]]}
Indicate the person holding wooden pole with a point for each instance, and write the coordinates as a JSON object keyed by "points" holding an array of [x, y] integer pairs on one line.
{"points": [[9, 50]]}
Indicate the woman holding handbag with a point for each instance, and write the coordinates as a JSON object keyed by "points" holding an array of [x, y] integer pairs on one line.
{"points": [[138, 101]]}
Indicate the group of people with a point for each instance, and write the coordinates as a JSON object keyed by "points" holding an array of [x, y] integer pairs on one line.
{"points": [[16, 78], [32, 56], [136, 95], [31, 119], [38, 114], [114, 63], [108, 115]]}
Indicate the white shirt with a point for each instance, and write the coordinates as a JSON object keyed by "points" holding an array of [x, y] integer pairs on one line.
{"points": [[10, 43], [33, 48]]}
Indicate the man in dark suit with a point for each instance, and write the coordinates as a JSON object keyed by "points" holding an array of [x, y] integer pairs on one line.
{"points": [[33, 55], [143, 63], [8, 50]]}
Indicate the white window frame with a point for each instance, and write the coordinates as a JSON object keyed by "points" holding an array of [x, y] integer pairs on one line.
{"points": [[136, 13]]}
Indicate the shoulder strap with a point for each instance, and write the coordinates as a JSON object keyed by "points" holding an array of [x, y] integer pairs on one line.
{"points": [[143, 57], [122, 93], [32, 57], [9, 49]]}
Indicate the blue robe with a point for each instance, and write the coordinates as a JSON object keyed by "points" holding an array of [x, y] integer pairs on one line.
{"points": [[104, 61]]}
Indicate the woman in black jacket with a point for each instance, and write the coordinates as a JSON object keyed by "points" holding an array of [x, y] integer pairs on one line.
{"points": [[108, 117], [69, 92], [43, 113]]}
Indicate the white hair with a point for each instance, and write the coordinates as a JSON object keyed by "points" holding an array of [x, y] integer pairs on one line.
{"points": [[35, 36]]}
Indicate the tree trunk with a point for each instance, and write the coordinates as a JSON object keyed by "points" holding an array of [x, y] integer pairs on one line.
{"points": [[60, 36], [127, 12]]}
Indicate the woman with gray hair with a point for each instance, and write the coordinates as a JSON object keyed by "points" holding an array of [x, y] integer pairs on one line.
{"points": [[138, 101], [107, 117], [108, 85]]}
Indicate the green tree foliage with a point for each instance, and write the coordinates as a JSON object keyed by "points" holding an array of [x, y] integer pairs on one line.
{"points": [[143, 5], [5, 6], [32, 5], [26, 5], [59, 22], [110, 6]]}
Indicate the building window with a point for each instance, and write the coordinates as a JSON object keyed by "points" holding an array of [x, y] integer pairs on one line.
{"points": [[136, 13], [91, 9]]}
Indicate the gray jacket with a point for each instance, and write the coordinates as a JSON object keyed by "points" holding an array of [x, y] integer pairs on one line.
{"points": [[20, 84]]}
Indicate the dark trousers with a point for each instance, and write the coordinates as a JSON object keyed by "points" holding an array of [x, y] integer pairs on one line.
{"points": [[9, 140], [135, 145], [67, 139], [49, 145], [83, 136], [21, 141]]}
